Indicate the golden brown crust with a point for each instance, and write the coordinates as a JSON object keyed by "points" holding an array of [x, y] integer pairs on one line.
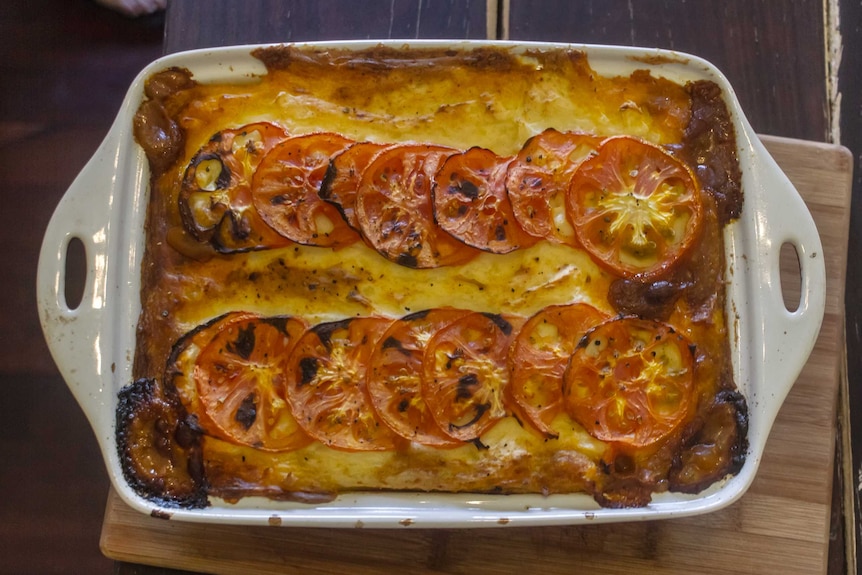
{"points": [[449, 98]]}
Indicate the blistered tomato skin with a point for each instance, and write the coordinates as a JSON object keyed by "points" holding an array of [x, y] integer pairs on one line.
{"points": [[326, 385], [240, 381], [286, 189], [471, 204], [395, 211], [343, 175], [631, 381], [538, 359], [538, 178], [635, 208], [395, 376], [465, 373]]}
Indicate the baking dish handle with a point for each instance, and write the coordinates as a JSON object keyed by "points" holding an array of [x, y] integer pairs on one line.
{"points": [[788, 335], [80, 338]]}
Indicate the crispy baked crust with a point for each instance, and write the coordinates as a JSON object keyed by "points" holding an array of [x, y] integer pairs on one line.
{"points": [[447, 98]]}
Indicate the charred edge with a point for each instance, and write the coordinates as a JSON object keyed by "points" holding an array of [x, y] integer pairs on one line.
{"points": [[224, 177], [131, 401], [407, 260], [739, 451], [279, 322], [325, 190], [392, 342], [500, 322], [480, 411], [232, 227], [416, 316], [180, 346], [324, 331], [479, 445]]}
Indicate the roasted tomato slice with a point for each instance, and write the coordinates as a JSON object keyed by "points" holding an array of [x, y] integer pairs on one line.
{"points": [[395, 376], [465, 373], [240, 377], [539, 356], [180, 367], [538, 179], [631, 381], [343, 175], [394, 209], [326, 385], [286, 190], [635, 208], [470, 202], [215, 197]]}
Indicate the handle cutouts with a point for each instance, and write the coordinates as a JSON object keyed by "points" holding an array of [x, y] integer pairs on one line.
{"points": [[75, 273], [791, 277]]}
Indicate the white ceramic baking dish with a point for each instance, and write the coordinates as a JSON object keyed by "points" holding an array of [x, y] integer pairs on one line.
{"points": [[94, 344]]}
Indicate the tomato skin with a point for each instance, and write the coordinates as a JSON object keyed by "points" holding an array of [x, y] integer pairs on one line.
{"points": [[538, 179], [215, 201], [395, 376], [635, 208], [394, 209], [326, 385], [343, 176], [180, 365], [538, 360], [631, 381], [465, 373], [470, 202], [239, 376], [286, 189]]}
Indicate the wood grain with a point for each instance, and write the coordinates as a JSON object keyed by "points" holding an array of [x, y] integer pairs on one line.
{"points": [[191, 25], [780, 526], [849, 103]]}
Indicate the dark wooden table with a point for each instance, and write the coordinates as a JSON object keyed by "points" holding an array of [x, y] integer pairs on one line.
{"points": [[776, 54]]}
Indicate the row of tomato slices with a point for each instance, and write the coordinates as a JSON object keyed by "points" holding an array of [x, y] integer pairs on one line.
{"points": [[439, 378], [635, 207]]}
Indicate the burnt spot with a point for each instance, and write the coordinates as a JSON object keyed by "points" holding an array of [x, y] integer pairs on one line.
{"points": [[324, 331], [456, 354], [417, 315], [151, 427], [278, 322], [480, 411], [500, 322], [466, 383], [247, 412], [223, 179], [583, 342], [279, 200], [307, 370], [500, 233], [407, 260], [243, 345], [394, 343], [465, 188], [479, 445]]}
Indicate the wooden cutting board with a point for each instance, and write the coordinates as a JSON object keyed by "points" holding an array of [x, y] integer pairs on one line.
{"points": [[781, 525]]}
